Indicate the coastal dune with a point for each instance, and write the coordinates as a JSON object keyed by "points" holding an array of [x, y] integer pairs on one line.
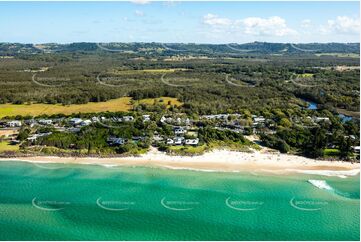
{"points": [[217, 161]]}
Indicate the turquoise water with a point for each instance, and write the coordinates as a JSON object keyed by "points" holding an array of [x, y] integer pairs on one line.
{"points": [[85, 202]]}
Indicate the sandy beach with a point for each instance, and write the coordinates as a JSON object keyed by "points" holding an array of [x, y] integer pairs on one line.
{"points": [[217, 160]]}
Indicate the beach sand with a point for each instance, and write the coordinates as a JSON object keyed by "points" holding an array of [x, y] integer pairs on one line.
{"points": [[217, 161]]}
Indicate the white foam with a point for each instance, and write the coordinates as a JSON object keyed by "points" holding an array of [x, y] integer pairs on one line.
{"points": [[341, 174], [109, 165], [321, 184]]}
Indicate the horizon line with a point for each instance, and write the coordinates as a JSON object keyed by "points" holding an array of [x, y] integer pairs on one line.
{"points": [[187, 43]]}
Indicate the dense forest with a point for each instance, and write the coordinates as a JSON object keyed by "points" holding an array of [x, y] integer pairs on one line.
{"points": [[83, 72]]}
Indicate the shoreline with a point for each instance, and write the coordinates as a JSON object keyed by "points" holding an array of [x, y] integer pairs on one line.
{"points": [[213, 161]]}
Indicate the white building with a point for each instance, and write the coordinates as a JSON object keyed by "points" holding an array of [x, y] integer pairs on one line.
{"points": [[216, 116], [95, 119], [115, 141], [170, 142], [75, 121], [259, 119], [45, 121], [356, 149], [321, 119], [116, 119], [166, 120], [128, 118], [157, 138], [179, 131], [14, 123], [188, 121], [34, 137], [178, 140], [146, 117], [192, 141], [85, 122]]}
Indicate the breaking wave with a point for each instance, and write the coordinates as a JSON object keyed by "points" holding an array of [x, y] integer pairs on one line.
{"points": [[322, 184]]}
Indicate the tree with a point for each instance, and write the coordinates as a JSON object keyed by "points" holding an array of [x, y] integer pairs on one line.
{"points": [[345, 148], [23, 134], [285, 123], [283, 147]]}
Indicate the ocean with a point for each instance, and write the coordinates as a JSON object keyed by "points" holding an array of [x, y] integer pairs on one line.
{"points": [[90, 202]]}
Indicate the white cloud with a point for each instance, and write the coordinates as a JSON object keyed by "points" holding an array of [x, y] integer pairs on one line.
{"points": [[214, 20], [170, 3], [140, 1], [272, 26], [266, 26], [342, 25], [306, 23], [139, 13]]}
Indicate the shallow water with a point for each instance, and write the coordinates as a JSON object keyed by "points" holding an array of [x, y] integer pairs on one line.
{"points": [[89, 202]]}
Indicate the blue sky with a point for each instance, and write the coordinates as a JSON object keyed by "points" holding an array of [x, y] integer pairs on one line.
{"points": [[190, 22]]}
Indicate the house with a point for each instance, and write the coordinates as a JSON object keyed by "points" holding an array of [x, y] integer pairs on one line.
{"points": [[60, 129], [45, 121], [115, 141], [170, 142], [116, 119], [259, 119], [216, 116], [14, 142], [14, 123], [30, 122], [128, 118], [34, 137], [163, 119], [187, 121], [166, 120], [356, 149], [321, 119], [178, 140], [146, 118], [73, 130], [138, 138], [85, 122], [157, 138], [58, 120], [179, 131], [75, 121], [95, 119], [192, 141]]}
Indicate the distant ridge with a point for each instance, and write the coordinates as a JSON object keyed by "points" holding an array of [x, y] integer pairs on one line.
{"points": [[168, 48]]}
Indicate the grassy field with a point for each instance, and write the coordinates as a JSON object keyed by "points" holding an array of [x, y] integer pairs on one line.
{"points": [[187, 150], [161, 100], [5, 146], [305, 75], [148, 71], [119, 104], [331, 152], [352, 55]]}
